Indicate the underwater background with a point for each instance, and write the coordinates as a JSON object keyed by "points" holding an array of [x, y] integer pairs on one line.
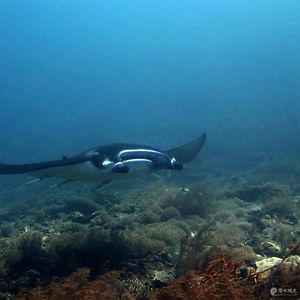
{"points": [[79, 74]]}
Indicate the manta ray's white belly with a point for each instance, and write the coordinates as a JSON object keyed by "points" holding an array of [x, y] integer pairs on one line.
{"points": [[88, 172]]}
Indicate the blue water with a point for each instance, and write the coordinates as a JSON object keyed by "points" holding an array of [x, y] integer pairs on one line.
{"points": [[77, 74]]}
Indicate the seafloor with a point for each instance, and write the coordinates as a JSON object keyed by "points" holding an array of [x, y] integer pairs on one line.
{"points": [[207, 233]]}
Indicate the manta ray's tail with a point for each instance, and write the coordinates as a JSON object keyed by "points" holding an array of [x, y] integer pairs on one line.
{"points": [[19, 169], [27, 168], [189, 151]]}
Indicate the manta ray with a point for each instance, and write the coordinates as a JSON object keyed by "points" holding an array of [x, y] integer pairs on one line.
{"points": [[111, 162]]}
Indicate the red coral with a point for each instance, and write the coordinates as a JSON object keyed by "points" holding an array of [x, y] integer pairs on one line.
{"points": [[74, 287], [220, 281]]}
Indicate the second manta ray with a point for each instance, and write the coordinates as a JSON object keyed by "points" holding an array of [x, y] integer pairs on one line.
{"points": [[111, 162]]}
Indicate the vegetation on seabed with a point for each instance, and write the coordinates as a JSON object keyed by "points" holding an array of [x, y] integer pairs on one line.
{"points": [[165, 242]]}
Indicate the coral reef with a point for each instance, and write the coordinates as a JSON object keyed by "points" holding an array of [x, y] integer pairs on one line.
{"points": [[158, 241]]}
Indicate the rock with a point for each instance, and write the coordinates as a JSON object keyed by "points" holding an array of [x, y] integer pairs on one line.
{"points": [[259, 192], [291, 263], [268, 232], [254, 208], [291, 219], [246, 226], [268, 221], [161, 278], [81, 204], [271, 247], [78, 217], [265, 264]]}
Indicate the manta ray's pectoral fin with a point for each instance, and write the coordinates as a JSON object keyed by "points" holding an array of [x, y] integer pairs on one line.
{"points": [[32, 181], [189, 151], [100, 161], [162, 176], [120, 167], [101, 185], [59, 184]]}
